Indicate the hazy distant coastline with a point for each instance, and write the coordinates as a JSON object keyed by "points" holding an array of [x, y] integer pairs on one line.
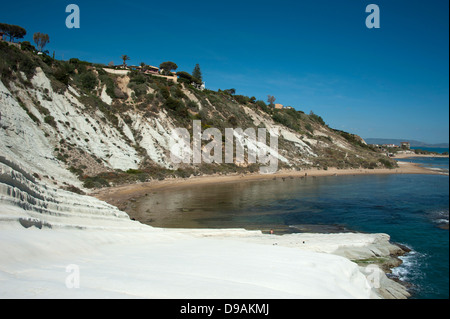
{"points": [[413, 143]]}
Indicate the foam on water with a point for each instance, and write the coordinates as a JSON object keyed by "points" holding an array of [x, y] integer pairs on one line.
{"points": [[412, 209], [407, 270]]}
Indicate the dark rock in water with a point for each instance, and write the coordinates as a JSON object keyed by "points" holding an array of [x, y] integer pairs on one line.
{"points": [[440, 218], [320, 229], [403, 247], [387, 264]]}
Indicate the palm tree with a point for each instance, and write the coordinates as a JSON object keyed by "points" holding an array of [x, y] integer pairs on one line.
{"points": [[125, 58]]}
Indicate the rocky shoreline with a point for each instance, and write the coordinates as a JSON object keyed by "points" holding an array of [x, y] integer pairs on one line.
{"points": [[385, 256], [375, 255], [77, 227]]}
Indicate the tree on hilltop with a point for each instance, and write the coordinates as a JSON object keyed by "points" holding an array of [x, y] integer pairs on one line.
{"points": [[168, 66], [41, 40], [27, 46], [13, 31], [144, 66], [197, 73], [271, 99], [186, 77], [230, 91], [125, 58]]}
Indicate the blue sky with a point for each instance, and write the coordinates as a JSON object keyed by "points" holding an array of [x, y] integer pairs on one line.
{"points": [[315, 55]]}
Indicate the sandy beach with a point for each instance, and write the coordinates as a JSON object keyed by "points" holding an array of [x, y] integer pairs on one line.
{"points": [[118, 195]]}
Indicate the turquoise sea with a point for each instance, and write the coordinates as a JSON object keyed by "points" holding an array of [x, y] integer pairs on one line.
{"points": [[412, 209], [432, 149]]}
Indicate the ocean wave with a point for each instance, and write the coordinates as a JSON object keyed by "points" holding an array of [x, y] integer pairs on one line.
{"points": [[409, 271], [438, 169]]}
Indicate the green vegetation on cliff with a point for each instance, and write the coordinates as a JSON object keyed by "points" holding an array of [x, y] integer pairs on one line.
{"points": [[305, 140]]}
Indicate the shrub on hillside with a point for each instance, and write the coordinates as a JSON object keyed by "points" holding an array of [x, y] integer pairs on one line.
{"points": [[242, 99], [316, 118], [27, 46], [50, 120], [62, 75], [13, 59], [165, 92], [110, 85], [387, 163], [286, 120], [137, 77], [88, 81], [95, 182], [172, 103], [263, 106], [139, 89]]}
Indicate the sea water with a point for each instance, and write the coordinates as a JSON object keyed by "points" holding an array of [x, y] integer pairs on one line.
{"points": [[432, 149], [412, 209]]}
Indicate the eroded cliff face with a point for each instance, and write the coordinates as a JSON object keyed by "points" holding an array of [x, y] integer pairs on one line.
{"points": [[121, 129], [59, 135], [26, 200]]}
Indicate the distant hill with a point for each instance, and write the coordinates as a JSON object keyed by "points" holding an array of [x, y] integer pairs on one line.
{"points": [[398, 141]]}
